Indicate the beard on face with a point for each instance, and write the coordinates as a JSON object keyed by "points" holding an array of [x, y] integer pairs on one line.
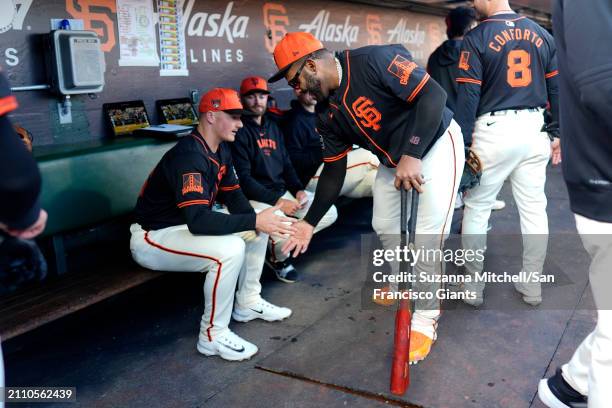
{"points": [[313, 85]]}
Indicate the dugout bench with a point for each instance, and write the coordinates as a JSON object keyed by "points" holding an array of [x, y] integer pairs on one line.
{"points": [[84, 185]]}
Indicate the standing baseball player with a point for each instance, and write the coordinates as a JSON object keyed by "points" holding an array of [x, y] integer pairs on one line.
{"points": [[177, 229], [266, 172], [299, 126], [507, 73], [378, 98], [585, 84]]}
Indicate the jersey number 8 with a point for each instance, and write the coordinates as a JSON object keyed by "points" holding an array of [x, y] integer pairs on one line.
{"points": [[519, 73]]}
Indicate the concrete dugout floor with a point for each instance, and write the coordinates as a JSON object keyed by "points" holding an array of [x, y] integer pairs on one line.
{"points": [[138, 349]]}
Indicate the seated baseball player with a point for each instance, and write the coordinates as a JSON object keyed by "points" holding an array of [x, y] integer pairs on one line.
{"points": [[266, 173], [177, 229], [304, 147]]}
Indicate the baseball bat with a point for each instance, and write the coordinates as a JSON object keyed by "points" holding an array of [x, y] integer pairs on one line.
{"points": [[400, 367]]}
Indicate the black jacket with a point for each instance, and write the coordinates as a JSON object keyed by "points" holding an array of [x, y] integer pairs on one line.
{"points": [[262, 162], [20, 181], [443, 67], [586, 97], [302, 140]]}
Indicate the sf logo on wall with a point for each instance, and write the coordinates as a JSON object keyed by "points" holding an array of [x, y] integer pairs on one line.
{"points": [[369, 116], [275, 20], [100, 20]]}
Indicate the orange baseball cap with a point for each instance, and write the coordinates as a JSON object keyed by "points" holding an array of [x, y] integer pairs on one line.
{"points": [[291, 48], [222, 99], [253, 84]]}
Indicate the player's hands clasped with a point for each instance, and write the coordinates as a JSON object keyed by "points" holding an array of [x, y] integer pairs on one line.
{"points": [[408, 174], [299, 241], [271, 223], [555, 145], [288, 207]]}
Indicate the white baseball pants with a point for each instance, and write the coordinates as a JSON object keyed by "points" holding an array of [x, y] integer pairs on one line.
{"points": [[277, 242], [590, 369], [361, 169], [442, 169], [510, 146], [226, 259]]}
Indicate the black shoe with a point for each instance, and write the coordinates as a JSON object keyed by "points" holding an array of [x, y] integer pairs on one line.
{"points": [[555, 392], [284, 271]]}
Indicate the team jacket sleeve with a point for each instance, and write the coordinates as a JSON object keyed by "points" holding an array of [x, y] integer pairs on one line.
{"points": [[402, 77], [253, 189], [468, 92], [231, 194], [187, 173], [552, 83], [20, 180], [587, 66], [334, 148], [303, 157]]}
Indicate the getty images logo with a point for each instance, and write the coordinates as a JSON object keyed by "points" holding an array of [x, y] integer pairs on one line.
{"points": [[320, 28], [216, 25]]}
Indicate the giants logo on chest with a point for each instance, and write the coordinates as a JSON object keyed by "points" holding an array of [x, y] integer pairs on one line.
{"points": [[367, 113], [266, 145]]}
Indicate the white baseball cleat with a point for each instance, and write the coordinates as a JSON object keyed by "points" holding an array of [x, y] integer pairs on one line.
{"points": [[228, 346], [260, 310]]}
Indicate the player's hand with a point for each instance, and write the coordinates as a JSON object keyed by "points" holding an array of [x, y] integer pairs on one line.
{"points": [[273, 224], [556, 151], [408, 174], [302, 198], [33, 230], [288, 207], [299, 241]]}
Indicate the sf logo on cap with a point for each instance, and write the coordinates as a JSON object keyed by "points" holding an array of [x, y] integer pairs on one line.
{"points": [[369, 115]]}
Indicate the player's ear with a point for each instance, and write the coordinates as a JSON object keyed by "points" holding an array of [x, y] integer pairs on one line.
{"points": [[311, 66], [209, 116]]}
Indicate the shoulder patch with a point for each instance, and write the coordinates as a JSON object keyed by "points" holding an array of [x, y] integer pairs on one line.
{"points": [[192, 183], [464, 61], [401, 67]]}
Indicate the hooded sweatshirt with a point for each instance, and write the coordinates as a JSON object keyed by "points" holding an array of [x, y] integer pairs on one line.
{"points": [[443, 67], [302, 140], [262, 162]]}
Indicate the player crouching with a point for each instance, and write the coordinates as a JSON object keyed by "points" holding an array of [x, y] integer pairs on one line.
{"points": [[178, 230]]}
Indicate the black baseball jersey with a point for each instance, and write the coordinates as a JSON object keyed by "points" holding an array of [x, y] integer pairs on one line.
{"points": [[184, 186], [262, 161], [505, 63], [372, 107]]}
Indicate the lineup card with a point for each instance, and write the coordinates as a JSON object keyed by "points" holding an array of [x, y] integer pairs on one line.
{"points": [[171, 39]]}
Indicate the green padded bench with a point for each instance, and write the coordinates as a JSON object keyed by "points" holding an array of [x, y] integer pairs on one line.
{"points": [[84, 184]]}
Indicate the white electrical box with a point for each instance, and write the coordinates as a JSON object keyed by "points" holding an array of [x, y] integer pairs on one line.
{"points": [[78, 62]]}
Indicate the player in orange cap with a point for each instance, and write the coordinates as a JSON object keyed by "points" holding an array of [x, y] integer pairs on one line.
{"points": [[377, 97], [177, 229]]}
